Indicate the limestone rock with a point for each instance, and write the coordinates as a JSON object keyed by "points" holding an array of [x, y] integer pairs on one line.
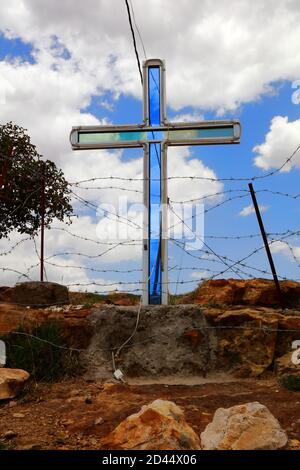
{"points": [[157, 426], [74, 323], [244, 292], [244, 427], [247, 349], [12, 382], [287, 372], [10, 435], [39, 294], [98, 421]]}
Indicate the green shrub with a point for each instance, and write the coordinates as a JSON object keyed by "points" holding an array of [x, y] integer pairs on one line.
{"points": [[291, 382], [3, 446], [43, 353]]}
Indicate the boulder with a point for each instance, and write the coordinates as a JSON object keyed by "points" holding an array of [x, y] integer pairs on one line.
{"points": [[288, 371], [39, 294], [157, 426], [251, 292], [244, 427], [12, 382], [246, 339], [75, 328]]}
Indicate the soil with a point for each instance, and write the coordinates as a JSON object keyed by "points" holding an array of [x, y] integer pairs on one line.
{"points": [[76, 414]]}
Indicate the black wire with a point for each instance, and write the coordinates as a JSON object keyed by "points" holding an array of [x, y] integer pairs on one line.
{"points": [[138, 31], [134, 41]]}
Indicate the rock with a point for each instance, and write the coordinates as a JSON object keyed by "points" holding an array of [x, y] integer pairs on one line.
{"points": [[157, 426], [30, 447], [5, 293], [39, 294], [10, 435], [18, 415], [12, 382], [287, 372], [74, 324], [75, 393], [247, 349], [99, 421], [249, 292], [108, 387], [67, 422], [244, 427], [294, 444], [13, 404]]}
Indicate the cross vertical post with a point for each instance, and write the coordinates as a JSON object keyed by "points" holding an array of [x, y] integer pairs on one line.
{"points": [[155, 257]]}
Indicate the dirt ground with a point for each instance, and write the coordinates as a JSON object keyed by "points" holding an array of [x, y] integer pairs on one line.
{"points": [[75, 414]]}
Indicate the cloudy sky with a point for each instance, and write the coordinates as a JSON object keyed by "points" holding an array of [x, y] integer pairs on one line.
{"points": [[68, 63]]}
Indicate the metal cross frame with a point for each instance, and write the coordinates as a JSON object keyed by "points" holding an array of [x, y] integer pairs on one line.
{"points": [[155, 135]]}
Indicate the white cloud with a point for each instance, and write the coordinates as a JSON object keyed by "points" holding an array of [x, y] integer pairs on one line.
{"points": [[280, 142], [63, 251], [188, 117], [200, 275], [248, 210], [217, 58], [288, 249]]}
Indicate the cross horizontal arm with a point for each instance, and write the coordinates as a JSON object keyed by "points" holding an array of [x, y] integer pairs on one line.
{"points": [[199, 133]]}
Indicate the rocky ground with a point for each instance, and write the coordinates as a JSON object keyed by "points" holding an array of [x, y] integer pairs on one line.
{"points": [[232, 339], [75, 414]]}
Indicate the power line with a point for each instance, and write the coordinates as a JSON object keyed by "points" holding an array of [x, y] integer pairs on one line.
{"points": [[134, 41], [137, 28]]}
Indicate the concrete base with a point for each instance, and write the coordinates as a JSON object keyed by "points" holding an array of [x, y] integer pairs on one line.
{"points": [[170, 340]]}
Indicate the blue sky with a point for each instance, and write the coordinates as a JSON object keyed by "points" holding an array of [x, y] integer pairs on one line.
{"points": [[15, 48], [61, 81]]}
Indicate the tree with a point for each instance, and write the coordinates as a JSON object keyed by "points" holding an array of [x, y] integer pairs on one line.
{"points": [[23, 175]]}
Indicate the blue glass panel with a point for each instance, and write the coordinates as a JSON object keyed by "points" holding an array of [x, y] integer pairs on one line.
{"points": [[154, 225], [154, 95], [154, 188]]}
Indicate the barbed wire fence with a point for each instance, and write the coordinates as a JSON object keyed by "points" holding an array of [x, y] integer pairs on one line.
{"points": [[205, 256]]}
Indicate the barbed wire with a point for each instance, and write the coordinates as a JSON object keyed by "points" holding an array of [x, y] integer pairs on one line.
{"points": [[97, 242], [104, 188], [224, 259], [240, 267], [219, 259], [118, 217], [14, 271], [192, 177], [117, 271], [10, 250]]}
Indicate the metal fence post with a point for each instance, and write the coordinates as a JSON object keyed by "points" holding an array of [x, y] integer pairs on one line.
{"points": [[42, 218], [267, 247]]}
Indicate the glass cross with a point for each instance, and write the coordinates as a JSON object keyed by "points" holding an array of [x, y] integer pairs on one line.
{"points": [[155, 135]]}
